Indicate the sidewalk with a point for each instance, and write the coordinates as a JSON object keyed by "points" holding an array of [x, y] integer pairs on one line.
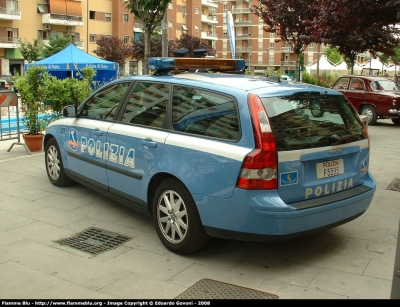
{"points": [[352, 261]]}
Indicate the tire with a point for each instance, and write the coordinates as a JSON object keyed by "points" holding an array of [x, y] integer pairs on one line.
{"points": [[396, 121], [176, 218], [317, 110], [54, 165], [370, 112]]}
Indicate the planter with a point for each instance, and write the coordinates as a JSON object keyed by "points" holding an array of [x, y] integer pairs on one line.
{"points": [[34, 142]]}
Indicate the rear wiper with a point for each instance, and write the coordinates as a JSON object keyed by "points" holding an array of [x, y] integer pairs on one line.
{"points": [[334, 138]]}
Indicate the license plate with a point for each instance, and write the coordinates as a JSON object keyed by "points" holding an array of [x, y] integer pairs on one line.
{"points": [[330, 168]]}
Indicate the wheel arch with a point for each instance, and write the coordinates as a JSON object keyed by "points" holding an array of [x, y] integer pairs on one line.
{"points": [[154, 183]]}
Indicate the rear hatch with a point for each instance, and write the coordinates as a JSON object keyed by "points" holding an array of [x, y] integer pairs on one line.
{"points": [[323, 147]]}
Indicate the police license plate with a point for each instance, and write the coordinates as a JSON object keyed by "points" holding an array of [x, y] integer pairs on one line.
{"points": [[330, 168]]}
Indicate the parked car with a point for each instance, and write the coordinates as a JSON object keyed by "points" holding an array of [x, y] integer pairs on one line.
{"points": [[7, 81], [216, 154], [373, 96]]}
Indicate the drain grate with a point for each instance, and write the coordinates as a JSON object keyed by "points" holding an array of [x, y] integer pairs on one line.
{"points": [[395, 185], [94, 241], [213, 289]]}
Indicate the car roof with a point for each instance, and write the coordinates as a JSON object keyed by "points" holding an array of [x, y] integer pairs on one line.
{"points": [[259, 85], [367, 77]]}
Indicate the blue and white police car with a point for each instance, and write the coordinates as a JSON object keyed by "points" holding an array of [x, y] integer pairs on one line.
{"points": [[208, 151]]}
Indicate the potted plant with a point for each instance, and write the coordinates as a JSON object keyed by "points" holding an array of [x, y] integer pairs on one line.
{"points": [[32, 93]]}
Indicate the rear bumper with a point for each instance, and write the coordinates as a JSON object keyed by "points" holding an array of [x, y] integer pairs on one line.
{"points": [[251, 216]]}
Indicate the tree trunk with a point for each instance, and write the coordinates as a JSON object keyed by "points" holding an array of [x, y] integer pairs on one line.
{"points": [[146, 51]]}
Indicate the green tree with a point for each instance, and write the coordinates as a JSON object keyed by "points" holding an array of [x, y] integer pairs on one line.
{"points": [[31, 51], [113, 49], [333, 54], [56, 43], [150, 13]]}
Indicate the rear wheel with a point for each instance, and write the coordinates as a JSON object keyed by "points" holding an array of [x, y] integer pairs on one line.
{"points": [[370, 112], [396, 121], [54, 165], [176, 218]]}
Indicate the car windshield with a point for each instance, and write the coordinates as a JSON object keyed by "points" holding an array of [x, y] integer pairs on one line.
{"points": [[385, 85], [310, 121]]}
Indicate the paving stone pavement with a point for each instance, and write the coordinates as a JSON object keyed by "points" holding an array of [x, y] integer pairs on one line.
{"points": [[351, 261]]}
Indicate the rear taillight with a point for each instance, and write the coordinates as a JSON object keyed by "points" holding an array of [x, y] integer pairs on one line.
{"points": [[259, 168]]}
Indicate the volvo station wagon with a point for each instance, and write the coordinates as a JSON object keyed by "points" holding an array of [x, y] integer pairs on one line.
{"points": [[209, 152]]}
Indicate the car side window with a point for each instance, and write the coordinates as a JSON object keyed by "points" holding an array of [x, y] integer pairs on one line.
{"points": [[341, 84], [357, 84], [104, 104], [147, 105], [205, 113]]}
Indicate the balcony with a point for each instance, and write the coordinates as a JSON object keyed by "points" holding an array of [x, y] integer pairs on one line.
{"points": [[288, 63], [285, 49], [64, 20], [209, 3], [10, 42], [241, 11], [243, 49], [9, 14], [209, 19], [242, 23], [209, 36], [242, 36]]}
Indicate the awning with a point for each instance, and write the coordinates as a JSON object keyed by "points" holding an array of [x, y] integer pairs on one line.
{"points": [[58, 7], [74, 8], [184, 27]]}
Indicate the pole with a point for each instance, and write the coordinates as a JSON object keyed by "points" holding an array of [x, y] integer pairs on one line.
{"points": [[164, 44], [318, 52]]}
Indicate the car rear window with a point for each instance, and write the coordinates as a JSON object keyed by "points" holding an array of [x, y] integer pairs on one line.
{"points": [[312, 120]]}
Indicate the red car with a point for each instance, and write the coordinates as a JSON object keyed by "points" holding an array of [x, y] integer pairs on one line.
{"points": [[373, 96]]}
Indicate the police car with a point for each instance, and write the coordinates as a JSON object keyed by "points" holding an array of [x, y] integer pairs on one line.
{"points": [[208, 151]]}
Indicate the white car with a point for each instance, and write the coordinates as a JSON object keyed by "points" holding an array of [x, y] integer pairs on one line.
{"points": [[286, 77]]}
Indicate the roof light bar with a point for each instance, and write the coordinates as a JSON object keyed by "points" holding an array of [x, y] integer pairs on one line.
{"points": [[163, 65]]}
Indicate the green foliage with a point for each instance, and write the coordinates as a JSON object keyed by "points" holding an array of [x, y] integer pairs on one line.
{"points": [[324, 80], [333, 54], [56, 44], [32, 93], [44, 96], [31, 51]]}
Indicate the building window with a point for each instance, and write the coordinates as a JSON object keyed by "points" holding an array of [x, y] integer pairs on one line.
{"points": [[196, 10], [108, 16], [184, 11], [126, 39], [311, 47], [170, 23], [107, 36], [196, 28], [92, 38], [126, 18], [92, 15], [225, 8], [170, 6], [271, 60], [271, 46]]}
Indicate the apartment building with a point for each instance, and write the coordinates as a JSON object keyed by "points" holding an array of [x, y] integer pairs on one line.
{"points": [[88, 20]]}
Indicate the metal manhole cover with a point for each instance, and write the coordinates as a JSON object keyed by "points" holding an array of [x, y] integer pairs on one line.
{"points": [[395, 185], [94, 240], [213, 289]]}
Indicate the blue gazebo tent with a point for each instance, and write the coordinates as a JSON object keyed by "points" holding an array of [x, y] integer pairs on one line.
{"points": [[70, 60]]}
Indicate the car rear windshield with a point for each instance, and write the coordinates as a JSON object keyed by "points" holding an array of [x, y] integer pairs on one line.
{"points": [[384, 85], [310, 120]]}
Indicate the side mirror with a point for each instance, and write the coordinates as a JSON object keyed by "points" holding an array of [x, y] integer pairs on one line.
{"points": [[69, 111]]}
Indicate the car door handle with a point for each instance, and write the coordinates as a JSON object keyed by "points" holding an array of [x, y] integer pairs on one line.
{"points": [[149, 142], [97, 132]]}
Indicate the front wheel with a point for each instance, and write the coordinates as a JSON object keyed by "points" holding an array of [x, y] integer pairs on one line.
{"points": [[54, 165], [176, 218], [370, 112]]}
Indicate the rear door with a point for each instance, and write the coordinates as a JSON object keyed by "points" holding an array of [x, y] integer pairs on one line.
{"points": [[318, 156], [137, 141]]}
